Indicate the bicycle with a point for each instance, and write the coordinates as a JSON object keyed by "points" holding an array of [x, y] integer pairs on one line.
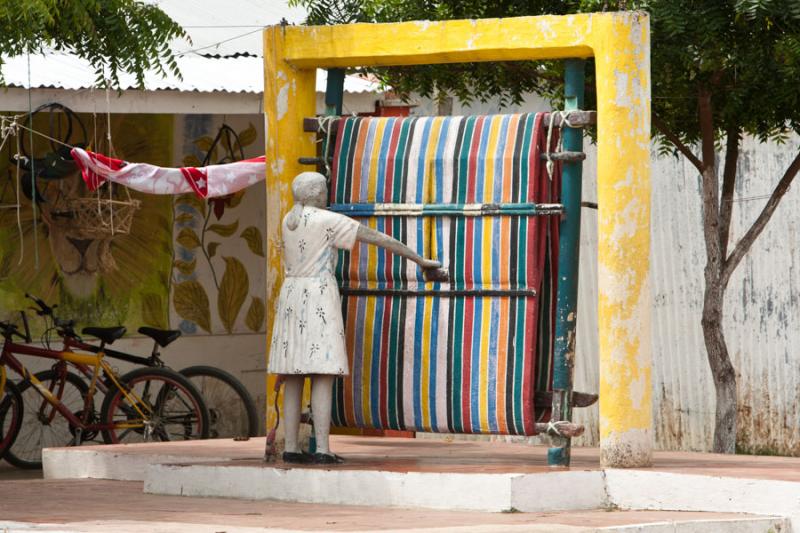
{"points": [[232, 411], [147, 404], [11, 411]]}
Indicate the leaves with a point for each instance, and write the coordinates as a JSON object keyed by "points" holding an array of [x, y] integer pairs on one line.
{"points": [[191, 303], [186, 267], [254, 240], [153, 310], [248, 136], [232, 292], [191, 160], [212, 248], [191, 199], [114, 36], [255, 315], [224, 230], [184, 218], [188, 239]]}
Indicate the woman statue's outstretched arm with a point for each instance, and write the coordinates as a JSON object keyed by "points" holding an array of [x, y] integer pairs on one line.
{"points": [[432, 269]]}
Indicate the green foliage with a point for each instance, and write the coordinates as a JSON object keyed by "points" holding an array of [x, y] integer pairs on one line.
{"points": [[113, 35], [746, 53]]}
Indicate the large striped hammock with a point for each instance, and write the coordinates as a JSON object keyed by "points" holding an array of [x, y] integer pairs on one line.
{"points": [[465, 356]]}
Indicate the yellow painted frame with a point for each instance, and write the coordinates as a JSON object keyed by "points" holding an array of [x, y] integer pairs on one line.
{"points": [[620, 45]]}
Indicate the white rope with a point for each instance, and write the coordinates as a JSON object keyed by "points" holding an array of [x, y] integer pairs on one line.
{"points": [[553, 427], [325, 125], [19, 209], [564, 116]]}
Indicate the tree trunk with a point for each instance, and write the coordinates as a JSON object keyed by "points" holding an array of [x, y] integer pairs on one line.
{"points": [[721, 367]]}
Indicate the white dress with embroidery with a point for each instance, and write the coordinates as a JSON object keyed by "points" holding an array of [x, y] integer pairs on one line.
{"points": [[308, 332]]}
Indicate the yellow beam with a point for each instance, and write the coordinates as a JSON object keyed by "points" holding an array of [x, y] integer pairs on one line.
{"points": [[620, 44]]}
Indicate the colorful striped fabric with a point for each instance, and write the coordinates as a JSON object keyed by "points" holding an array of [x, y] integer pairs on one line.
{"points": [[460, 362]]}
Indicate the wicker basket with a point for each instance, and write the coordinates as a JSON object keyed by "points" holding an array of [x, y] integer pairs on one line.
{"points": [[101, 217]]}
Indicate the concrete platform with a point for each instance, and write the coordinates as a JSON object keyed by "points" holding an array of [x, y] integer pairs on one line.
{"points": [[100, 506], [458, 475]]}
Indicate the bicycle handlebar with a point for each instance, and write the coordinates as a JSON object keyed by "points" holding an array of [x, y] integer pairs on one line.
{"points": [[44, 309]]}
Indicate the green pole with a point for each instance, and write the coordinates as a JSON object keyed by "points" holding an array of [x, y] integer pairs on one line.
{"points": [[569, 251]]}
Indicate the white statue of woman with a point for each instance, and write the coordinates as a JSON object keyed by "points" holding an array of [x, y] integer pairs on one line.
{"points": [[308, 333]]}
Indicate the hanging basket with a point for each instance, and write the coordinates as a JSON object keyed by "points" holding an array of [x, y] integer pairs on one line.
{"points": [[96, 217]]}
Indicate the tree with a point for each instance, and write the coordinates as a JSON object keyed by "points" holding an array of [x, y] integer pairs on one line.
{"points": [[113, 35], [721, 69]]}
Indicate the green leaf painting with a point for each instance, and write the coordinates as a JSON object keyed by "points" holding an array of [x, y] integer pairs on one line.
{"points": [[252, 235], [212, 248], [248, 136], [224, 230], [255, 315], [188, 239], [232, 292], [153, 310], [186, 267], [192, 200], [191, 303]]}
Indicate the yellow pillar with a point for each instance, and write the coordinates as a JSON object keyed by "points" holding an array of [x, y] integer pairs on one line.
{"points": [[621, 47], [622, 63], [289, 95]]}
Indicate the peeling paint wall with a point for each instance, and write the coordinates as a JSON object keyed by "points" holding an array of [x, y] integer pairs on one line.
{"points": [[762, 323]]}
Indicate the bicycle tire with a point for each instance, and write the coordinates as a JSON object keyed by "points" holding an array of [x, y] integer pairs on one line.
{"points": [[227, 420], [194, 420], [29, 457], [11, 403]]}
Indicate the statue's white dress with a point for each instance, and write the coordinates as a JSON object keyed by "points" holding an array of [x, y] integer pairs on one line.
{"points": [[308, 332]]}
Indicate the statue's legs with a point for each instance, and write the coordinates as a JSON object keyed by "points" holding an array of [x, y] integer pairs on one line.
{"points": [[292, 404], [321, 403]]}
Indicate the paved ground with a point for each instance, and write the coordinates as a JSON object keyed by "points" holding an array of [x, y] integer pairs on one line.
{"points": [[98, 505], [427, 455]]}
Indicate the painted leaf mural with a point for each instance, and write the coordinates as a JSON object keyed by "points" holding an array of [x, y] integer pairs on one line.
{"points": [[188, 239], [191, 303], [186, 267], [255, 315], [212, 249], [254, 240], [248, 136], [153, 310], [224, 230], [232, 292]]}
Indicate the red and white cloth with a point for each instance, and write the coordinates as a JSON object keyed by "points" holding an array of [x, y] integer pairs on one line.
{"points": [[206, 182]]}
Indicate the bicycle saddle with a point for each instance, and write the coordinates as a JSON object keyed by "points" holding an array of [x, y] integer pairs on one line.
{"points": [[161, 336], [107, 335]]}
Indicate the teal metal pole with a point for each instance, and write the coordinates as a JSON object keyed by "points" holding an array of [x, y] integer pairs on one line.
{"points": [[334, 98], [569, 251]]}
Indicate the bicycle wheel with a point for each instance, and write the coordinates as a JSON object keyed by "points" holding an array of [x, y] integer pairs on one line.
{"points": [[43, 426], [231, 410], [11, 416], [161, 405]]}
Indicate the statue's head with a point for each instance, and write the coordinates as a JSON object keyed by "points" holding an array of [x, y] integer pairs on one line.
{"points": [[310, 188]]}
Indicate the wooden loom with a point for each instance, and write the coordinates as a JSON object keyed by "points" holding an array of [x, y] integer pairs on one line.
{"points": [[516, 378]]}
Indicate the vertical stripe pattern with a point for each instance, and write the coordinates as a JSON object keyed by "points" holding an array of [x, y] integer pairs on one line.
{"points": [[465, 364]]}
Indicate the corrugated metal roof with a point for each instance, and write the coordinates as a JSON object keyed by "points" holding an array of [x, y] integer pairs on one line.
{"points": [[225, 54], [227, 74]]}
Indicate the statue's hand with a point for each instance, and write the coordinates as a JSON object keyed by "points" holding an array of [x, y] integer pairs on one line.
{"points": [[428, 264], [433, 271]]}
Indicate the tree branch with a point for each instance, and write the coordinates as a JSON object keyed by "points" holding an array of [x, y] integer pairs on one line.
{"points": [[746, 242], [682, 148], [728, 186]]}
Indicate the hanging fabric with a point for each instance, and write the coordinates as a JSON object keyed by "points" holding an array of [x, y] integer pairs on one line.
{"points": [[206, 182], [465, 356]]}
